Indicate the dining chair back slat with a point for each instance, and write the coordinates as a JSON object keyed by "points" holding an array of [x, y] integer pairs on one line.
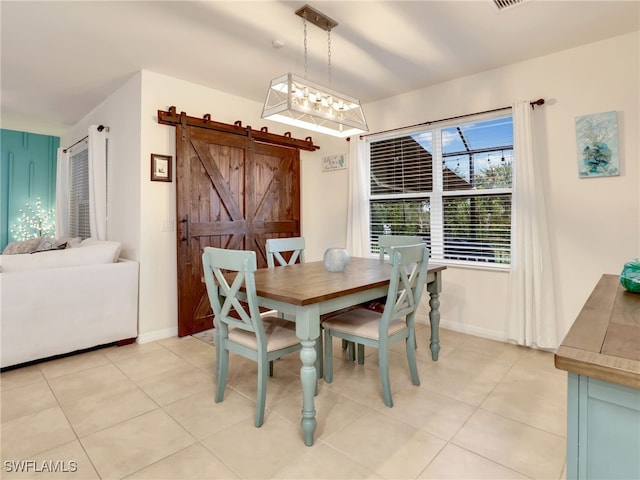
{"points": [[385, 242], [408, 278], [276, 246], [224, 302]]}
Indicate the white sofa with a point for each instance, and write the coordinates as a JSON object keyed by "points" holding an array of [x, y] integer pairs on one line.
{"points": [[60, 301]]}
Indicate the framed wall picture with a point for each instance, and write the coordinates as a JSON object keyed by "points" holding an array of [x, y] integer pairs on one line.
{"points": [[597, 142], [160, 168], [333, 162]]}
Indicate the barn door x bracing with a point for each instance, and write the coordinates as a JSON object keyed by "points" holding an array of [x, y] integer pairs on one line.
{"points": [[233, 192]]}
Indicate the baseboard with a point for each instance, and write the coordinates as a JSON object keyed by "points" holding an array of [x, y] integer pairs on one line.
{"points": [[473, 330], [157, 335], [476, 331]]}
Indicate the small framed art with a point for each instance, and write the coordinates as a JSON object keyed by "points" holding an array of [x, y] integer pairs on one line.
{"points": [[160, 168], [597, 140]]}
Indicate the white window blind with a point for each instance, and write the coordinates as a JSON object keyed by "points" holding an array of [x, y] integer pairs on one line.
{"points": [[450, 185], [79, 194]]}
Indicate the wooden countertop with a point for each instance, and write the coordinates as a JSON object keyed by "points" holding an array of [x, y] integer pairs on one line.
{"points": [[604, 340]]}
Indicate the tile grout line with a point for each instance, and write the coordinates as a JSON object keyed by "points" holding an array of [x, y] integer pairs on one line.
{"points": [[95, 469]]}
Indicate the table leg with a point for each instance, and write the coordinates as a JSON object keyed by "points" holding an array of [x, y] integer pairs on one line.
{"points": [[308, 378], [434, 289]]}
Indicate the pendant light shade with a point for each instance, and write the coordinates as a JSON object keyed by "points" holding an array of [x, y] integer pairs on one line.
{"points": [[299, 102]]}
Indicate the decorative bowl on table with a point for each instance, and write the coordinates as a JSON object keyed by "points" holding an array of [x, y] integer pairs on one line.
{"points": [[630, 276], [336, 259]]}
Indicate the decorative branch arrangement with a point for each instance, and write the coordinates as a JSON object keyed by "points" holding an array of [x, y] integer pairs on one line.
{"points": [[34, 222]]}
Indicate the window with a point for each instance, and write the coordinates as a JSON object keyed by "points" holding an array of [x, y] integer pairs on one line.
{"points": [[79, 223], [450, 184]]}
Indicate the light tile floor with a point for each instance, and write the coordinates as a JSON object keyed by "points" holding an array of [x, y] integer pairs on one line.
{"points": [[484, 410]]}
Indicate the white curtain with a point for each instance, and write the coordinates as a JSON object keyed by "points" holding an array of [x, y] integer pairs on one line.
{"points": [[358, 208], [532, 319], [62, 194], [98, 182]]}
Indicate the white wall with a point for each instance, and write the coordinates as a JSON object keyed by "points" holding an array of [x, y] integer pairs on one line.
{"points": [[11, 121], [120, 112], [595, 223]]}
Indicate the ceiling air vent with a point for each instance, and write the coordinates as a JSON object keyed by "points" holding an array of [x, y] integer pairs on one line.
{"points": [[504, 4]]}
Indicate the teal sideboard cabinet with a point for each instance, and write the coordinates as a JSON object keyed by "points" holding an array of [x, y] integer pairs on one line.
{"points": [[601, 354]]}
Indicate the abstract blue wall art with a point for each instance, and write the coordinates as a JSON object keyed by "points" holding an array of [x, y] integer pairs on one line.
{"points": [[597, 139]]}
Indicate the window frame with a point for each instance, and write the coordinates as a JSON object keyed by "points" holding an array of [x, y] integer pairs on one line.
{"points": [[436, 197]]}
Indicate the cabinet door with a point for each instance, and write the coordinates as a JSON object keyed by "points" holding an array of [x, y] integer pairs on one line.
{"points": [[604, 442]]}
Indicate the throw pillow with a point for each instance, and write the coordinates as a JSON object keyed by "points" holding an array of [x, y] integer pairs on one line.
{"points": [[47, 246], [25, 246]]}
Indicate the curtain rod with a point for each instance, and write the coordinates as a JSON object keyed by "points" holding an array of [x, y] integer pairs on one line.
{"points": [[99, 128], [533, 104]]}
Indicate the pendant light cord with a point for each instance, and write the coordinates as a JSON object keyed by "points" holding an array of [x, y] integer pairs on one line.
{"points": [[306, 48], [304, 22], [329, 52]]}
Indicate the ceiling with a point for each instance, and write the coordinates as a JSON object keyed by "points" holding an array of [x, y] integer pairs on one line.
{"points": [[60, 59]]}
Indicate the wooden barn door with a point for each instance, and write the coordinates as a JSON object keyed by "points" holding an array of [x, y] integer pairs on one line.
{"points": [[232, 192]]}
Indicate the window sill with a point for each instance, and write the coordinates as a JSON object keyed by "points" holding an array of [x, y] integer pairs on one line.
{"points": [[467, 266], [472, 266]]}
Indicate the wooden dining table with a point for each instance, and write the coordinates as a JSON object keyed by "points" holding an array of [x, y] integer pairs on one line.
{"points": [[305, 291]]}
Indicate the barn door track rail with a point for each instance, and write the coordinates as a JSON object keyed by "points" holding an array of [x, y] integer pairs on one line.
{"points": [[171, 117]]}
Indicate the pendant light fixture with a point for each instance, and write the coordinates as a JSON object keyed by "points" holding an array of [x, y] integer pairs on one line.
{"points": [[299, 102]]}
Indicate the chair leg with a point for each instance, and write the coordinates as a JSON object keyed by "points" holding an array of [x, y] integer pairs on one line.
{"points": [[350, 346], [328, 357], [217, 343], [319, 353], [411, 359], [383, 354], [222, 369], [360, 354], [263, 371]]}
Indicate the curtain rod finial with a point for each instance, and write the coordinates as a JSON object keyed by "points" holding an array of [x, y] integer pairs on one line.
{"points": [[537, 103]]}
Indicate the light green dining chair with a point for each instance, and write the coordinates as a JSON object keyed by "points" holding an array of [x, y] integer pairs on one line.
{"points": [[239, 328], [284, 251], [288, 251], [385, 242], [396, 323]]}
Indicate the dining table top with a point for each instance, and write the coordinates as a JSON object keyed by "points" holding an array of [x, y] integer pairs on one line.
{"points": [[310, 282]]}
